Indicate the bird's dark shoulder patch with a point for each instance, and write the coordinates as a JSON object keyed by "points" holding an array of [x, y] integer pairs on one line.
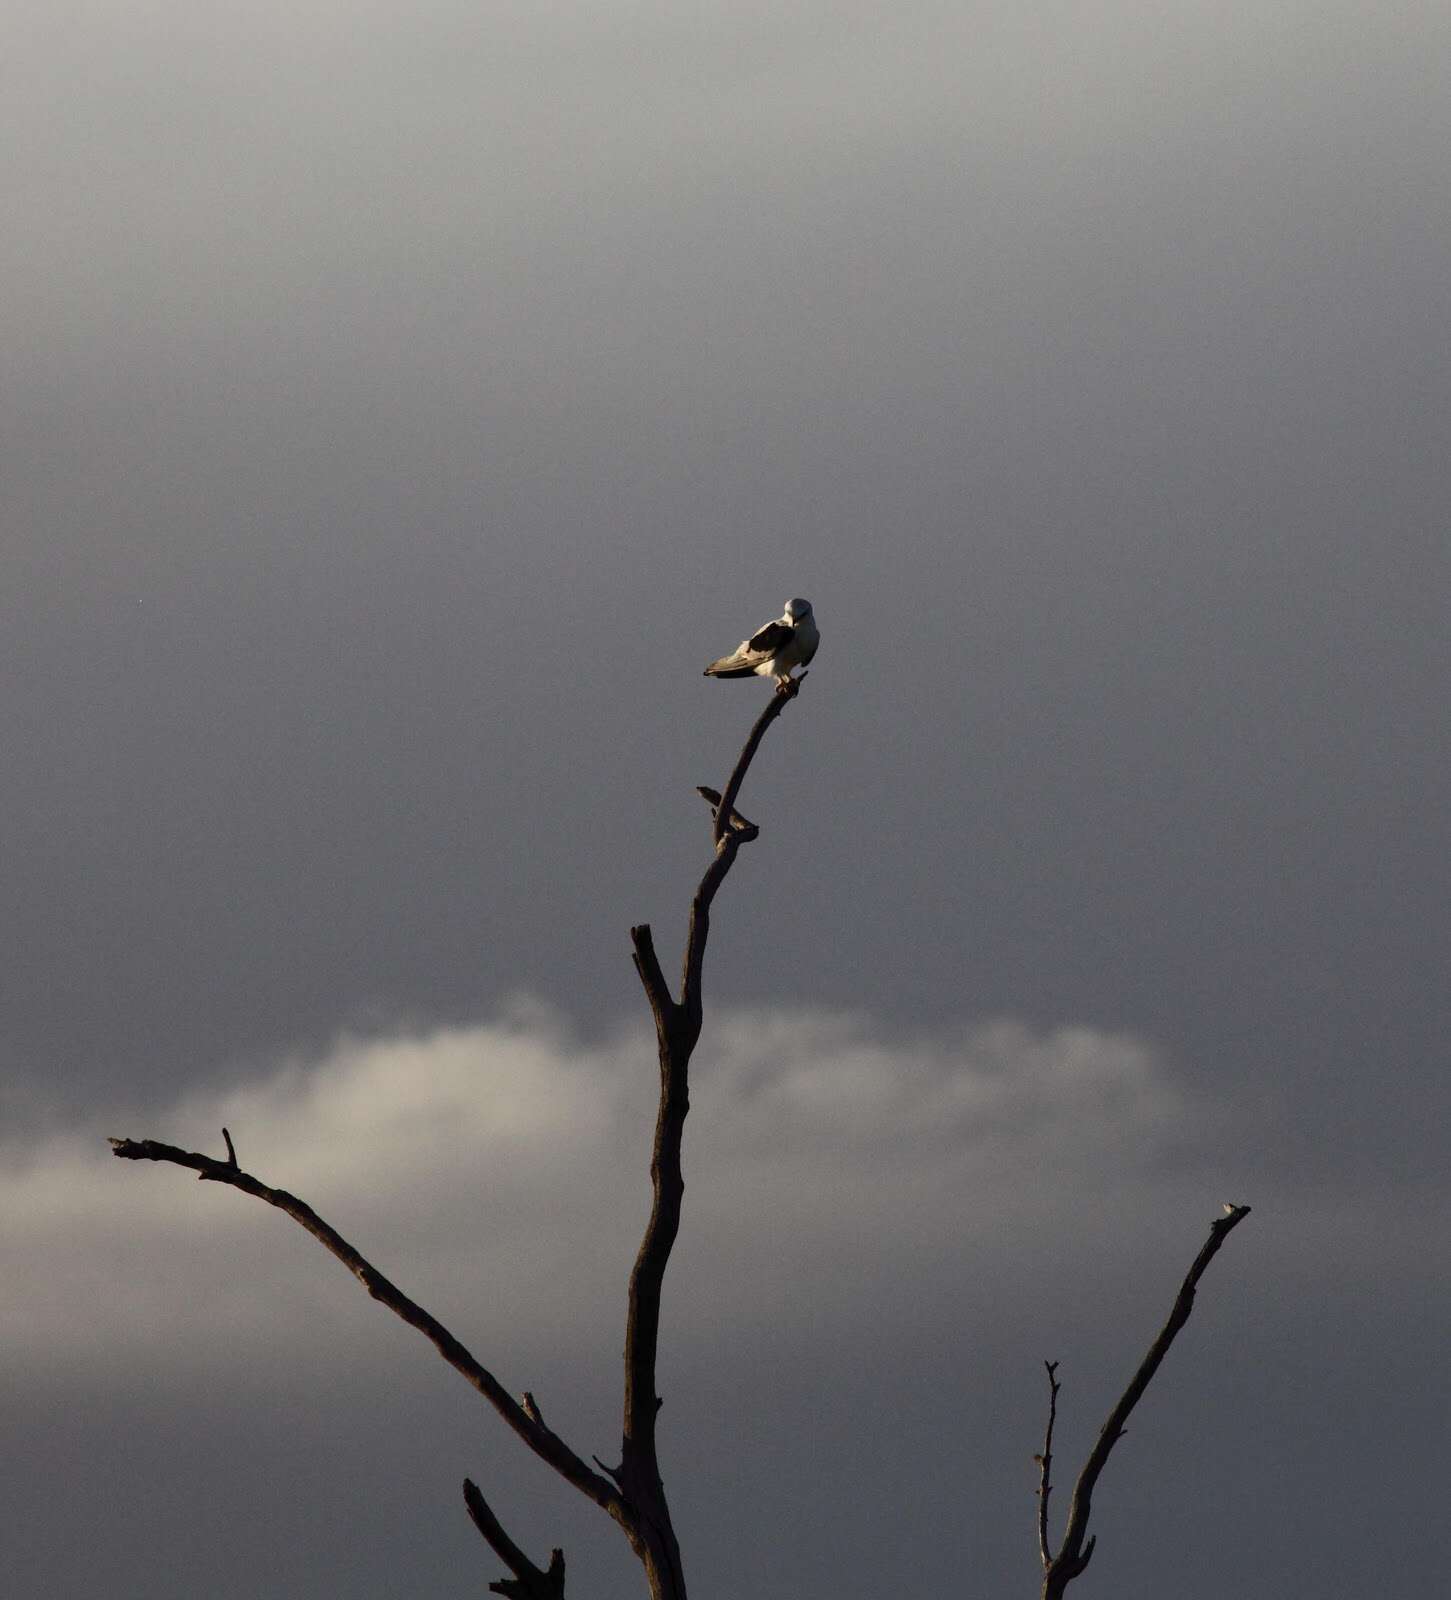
{"points": [[773, 636]]}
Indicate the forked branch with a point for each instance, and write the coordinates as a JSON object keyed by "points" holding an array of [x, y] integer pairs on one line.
{"points": [[677, 1029], [1077, 1547], [529, 1582]]}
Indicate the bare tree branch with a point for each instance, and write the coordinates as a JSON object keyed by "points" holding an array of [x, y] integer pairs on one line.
{"points": [[633, 1493], [647, 964], [786, 691], [1045, 1465], [636, 1497], [727, 841], [677, 1029], [531, 1429], [1078, 1545], [528, 1582]]}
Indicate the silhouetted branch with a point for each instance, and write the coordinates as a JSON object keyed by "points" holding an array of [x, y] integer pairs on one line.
{"points": [[728, 839], [528, 1582], [1045, 1464], [531, 1429], [725, 808], [636, 1497], [647, 964], [1078, 1545], [677, 1028]]}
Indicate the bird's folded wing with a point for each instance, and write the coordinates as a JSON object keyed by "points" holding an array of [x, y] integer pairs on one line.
{"points": [[740, 663], [769, 639]]}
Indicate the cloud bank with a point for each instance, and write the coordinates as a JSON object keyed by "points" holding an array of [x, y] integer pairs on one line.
{"points": [[501, 1170], [883, 1235]]}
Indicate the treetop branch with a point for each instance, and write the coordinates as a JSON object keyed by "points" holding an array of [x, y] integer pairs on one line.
{"points": [[725, 807], [677, 1029], [730, 831]]}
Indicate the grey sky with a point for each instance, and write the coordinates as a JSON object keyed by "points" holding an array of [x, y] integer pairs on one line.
{"points": [[401, 406]]}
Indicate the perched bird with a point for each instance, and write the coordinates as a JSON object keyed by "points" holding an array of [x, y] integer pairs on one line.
{"points": [[788, 642]]}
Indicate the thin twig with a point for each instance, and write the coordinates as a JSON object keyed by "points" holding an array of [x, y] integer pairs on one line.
{"points": [[1045, 1464], [739, 824], [1078, 1545]]}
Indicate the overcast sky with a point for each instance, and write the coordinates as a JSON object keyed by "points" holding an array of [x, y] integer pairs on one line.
{"points": [[401, 405]]}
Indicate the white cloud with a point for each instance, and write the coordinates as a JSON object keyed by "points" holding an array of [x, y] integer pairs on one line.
{"points": [[499, 1173], [876, 1225]]}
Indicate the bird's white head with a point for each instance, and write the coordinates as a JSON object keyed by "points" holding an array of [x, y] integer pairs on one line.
{"points": [[797, 609]]}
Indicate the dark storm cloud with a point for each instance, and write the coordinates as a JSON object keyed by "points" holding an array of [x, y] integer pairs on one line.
{"points": [[370, 465]]}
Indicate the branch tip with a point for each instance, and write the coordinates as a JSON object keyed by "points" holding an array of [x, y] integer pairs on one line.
{"points": [[528, 1582], [1045, 1468], [652, 976]]}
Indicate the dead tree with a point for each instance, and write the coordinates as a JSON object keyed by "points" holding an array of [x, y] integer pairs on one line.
{"points": [[632, 1492]]}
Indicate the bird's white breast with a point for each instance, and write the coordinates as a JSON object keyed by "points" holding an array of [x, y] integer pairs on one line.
{"points": [[803, 646]]}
